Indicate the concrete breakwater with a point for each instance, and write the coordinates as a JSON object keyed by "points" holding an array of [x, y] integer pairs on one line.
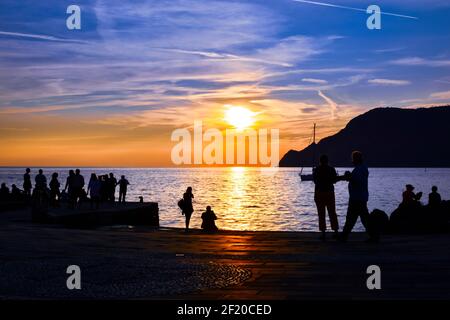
{"points": [[132, 213]]}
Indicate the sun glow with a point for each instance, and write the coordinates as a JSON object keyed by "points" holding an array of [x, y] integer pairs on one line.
{"points": [[239, 117]]}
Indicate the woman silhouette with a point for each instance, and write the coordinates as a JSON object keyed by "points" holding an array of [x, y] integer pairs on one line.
{"points": [[187, 206]]}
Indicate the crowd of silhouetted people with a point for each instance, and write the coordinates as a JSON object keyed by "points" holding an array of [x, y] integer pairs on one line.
{"points": [[414, 216], [99, 189], [410, 217]]}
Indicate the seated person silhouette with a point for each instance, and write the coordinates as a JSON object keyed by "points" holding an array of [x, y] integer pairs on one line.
{"points": [[209, 218], [409, 197], [16, 193], [4, 192], [434, 198]]}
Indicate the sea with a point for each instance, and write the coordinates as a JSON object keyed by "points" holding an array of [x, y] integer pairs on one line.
{"points": [[246, 198]]}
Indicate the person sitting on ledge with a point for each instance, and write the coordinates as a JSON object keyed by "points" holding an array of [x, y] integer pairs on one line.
{"points": [[434, 198], [209, 218], [4, 192], [409, 197]]}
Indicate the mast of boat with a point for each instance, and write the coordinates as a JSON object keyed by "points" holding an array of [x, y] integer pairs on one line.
{"points": [[314, 149]]}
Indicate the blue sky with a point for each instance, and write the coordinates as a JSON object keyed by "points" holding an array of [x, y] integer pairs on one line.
{"points": [[146, 67]]}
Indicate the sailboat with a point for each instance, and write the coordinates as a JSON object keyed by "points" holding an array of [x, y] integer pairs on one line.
{"points": [[309, 177]]}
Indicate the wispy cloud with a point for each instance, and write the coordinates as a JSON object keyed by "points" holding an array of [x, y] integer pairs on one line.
{"points": [[389, 50], [417, 61], [389, 82], [316, 81], [443, 95], [39, 37], [226, 57]]}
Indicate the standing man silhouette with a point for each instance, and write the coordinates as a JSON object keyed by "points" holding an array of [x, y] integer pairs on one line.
{"points": [[27, 186], [112, 183], [358, 189], [78, 185], [325, 177], [123, 186], [41, 180]]}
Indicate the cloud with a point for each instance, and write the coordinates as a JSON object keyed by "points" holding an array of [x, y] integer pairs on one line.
{"points": [[444, 95], [317, 81], [227, 57], [147, 57], [389, 82], [293, 49], [417, 61], [333, 105], [388, 50]]}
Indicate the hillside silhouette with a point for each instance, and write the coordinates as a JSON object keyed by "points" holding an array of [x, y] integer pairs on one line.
{"points": [[389, 137]]}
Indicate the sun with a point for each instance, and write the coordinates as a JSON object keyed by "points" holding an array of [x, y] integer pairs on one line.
{"points": [[239, 117]]}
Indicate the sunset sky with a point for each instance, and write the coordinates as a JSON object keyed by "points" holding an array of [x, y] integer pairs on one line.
{"points": [[111, 93]]}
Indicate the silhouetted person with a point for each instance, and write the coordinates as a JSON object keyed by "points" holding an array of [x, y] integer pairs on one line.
{"points": [[188, 209], [408, 217], [409, 197], [78, 184], [209, 220], [324, 178], [55, 194], [434, 198], [4, 192], [94, 187], [104, 187], [358, 182], [16, 193], [112, 183], [123, 186], [64, 197], [69, 187], [41, 180], [27, 186]]}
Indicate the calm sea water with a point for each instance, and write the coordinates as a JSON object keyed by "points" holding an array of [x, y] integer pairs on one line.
{"points": [[249, 199]]}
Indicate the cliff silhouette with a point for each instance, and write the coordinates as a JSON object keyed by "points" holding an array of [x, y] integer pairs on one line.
{"points": [[388, 137]]}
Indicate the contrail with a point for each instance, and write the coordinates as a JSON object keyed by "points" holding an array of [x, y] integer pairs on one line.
{"points": [[39, 36], [354, 9], [333, 105]]}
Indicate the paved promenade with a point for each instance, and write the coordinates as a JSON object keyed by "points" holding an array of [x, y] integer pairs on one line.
{"points": [[125, 262]]}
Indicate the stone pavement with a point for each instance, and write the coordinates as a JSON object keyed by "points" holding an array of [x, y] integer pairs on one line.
{"points": [[123, 262]]}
